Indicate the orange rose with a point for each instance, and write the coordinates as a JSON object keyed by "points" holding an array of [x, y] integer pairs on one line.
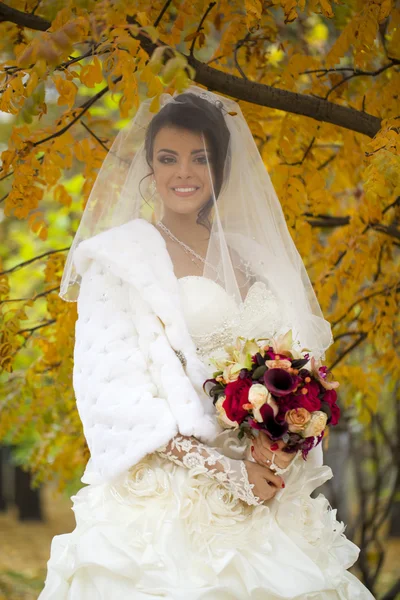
{"points": [[297, 419]]}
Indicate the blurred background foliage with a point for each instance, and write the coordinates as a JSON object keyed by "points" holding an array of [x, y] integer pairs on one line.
{"points": [[72, 74]]}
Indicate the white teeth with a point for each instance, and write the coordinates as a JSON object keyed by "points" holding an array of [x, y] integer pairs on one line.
{"points": [[185, 189]]}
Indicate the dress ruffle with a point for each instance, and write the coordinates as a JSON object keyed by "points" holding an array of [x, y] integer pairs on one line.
{"points": [[160, 531]]}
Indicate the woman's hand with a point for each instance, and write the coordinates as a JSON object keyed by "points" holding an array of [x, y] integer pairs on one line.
{"points": [[266, 452], [266, 482]]}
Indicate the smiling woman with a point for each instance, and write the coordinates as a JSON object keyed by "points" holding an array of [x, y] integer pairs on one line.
{"points": [[192, 138]]}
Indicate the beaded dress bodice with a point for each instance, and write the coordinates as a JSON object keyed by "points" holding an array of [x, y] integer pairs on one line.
{"points": [[214, 319]]}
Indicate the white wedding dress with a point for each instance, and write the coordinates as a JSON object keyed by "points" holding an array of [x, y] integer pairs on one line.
{"points": [[172, 528]]}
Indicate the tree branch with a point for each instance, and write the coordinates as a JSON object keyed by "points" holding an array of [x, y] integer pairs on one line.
{"points": [[367, 227], [32, 329], [385, 291], [31, 260], [362, 74], [6, 176], [163, 11], [349, 349], [239, 44], [390, 230], [292, 102], [249, 91], [266, 95], [34, 298], [326, 162], [306, 153], [84, 108], [353, 73], [200, 27], [92, 133], [326, 220], [23, 19]]}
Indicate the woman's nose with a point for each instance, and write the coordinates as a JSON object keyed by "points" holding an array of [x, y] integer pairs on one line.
{"points": [[184, 170]]}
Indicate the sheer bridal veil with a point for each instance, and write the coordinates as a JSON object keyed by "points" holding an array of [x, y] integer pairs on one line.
{"points": [[249, 239]]}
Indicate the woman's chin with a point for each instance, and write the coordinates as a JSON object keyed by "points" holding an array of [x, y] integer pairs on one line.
{"points": [[185, 206]]}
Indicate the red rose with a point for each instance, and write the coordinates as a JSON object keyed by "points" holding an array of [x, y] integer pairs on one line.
{"points": [[335, 414], [288, 402], [309, 401], [237, 394], [330, 398]]}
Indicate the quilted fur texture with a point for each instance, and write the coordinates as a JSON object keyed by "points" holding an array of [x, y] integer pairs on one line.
{"points": [[132, 392]]}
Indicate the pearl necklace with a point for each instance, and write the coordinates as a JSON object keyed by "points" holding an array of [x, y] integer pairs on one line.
{"points": [[186, 248]]}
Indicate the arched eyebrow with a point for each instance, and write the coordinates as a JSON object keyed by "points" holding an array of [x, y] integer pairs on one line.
{"points": [[176, 153]]}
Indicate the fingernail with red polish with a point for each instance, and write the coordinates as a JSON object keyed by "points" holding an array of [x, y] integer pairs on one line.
{"points": [[283, 485], [274, 447], [252, 448]]}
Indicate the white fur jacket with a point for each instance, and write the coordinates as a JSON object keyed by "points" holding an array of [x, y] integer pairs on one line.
{"points": [[133, 393]]}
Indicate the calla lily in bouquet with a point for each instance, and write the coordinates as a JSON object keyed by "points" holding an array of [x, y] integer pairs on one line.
{"points": [[274, 388]]}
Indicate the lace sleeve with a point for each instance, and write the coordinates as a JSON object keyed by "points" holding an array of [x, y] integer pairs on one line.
{"points": [[190, 453]]}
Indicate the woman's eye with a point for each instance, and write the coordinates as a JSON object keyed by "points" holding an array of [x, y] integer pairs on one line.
{"points": [[166, 160], [202, 160]]}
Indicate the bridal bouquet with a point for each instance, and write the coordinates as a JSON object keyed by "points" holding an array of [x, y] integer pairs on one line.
{"points": [[274, 388]]}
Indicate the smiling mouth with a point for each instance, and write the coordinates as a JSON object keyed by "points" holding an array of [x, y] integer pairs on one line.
{"points": [[185, 191]]}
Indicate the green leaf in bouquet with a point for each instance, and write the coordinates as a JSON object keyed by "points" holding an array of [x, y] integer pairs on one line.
{"points": [[216, 390], [326, 409], [259, 372]]}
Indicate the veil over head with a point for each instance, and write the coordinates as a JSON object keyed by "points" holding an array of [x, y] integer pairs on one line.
{"points": [[249, 239]]}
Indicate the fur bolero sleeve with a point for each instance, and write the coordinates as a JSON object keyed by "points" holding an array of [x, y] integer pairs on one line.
{"points": [[136, 376]]}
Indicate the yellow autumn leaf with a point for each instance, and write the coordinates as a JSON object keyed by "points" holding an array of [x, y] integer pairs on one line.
{"points": [[67, 91], [326, 8], [289, 7], [62, 196], [92, 74], [253, 12], [155, 104]]}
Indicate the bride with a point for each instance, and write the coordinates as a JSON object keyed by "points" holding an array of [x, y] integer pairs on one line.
{"points": [[182, 248]]}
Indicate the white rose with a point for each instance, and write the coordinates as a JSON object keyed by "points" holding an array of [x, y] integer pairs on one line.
{"points": [[213, 517], [147, 479], [305, 519], [316, 424], [258, 396]]}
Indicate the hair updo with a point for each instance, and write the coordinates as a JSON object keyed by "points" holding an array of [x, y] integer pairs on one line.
{"points": [[190, 111]]}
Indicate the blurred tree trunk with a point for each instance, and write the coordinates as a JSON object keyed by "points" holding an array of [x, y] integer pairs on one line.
{"points": [[394, 527], [26, 498], [3, 500], [336, 455]]}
